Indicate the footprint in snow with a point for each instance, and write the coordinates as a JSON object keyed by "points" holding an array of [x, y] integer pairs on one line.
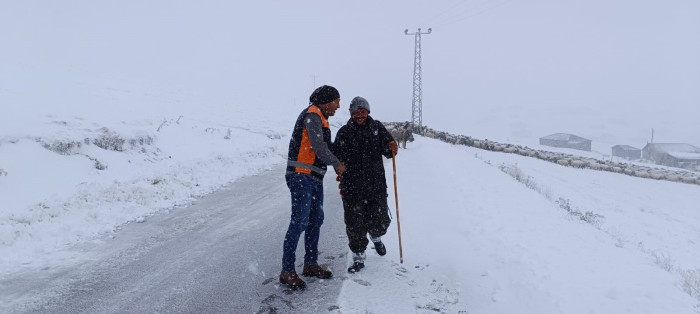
{"points": [[272, 304], [421, 267], [362, 282], [441, 298], [400, 268]]}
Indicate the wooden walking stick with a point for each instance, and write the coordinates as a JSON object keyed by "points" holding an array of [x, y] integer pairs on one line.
{"points": [[396, 197]]}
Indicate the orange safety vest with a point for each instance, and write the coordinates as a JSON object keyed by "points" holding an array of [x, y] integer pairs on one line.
{"points": [[301, 157]]}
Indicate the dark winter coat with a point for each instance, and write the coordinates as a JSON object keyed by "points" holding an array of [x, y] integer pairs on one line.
{"points": [[361, 148]]}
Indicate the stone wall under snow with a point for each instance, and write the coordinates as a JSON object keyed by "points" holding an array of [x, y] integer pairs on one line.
{"points": [[563, 159]]}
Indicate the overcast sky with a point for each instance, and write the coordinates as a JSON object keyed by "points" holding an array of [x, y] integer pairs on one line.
{"points": [[563, 62]]}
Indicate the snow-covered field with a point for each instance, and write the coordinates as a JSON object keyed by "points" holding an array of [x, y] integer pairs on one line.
{"points": [[560, 240], [73, 179]]}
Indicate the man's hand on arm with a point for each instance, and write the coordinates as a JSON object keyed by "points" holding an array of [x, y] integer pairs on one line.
{"points": [[340, 169]]}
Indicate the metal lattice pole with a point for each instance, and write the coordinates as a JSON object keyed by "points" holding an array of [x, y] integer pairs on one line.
{"points": [[417, 102]]}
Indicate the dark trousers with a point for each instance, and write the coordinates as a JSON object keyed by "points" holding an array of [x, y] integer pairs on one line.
{"points": [[307, 217], [363, 217]]}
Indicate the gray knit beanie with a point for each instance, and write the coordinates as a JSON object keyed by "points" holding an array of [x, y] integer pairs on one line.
{"points": [[358, 103]]}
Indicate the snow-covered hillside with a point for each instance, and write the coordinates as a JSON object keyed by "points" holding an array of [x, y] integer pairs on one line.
{"points": [[482, 231], [554, 240]]}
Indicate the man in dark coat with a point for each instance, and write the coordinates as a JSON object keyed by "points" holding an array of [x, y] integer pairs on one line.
{"points": [[360, 145]]}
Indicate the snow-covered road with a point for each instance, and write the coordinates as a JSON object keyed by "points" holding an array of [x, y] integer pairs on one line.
{"points": [[220, 255]]}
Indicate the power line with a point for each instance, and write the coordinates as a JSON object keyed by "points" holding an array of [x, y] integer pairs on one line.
{"points": [[472, 12], [450, 9], [467, 12], [453, 14]]}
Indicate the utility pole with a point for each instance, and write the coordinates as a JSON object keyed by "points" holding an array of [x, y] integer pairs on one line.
{"points": [[314, 77], [417, 102]]}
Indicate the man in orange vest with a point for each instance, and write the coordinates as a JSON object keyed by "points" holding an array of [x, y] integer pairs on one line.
{"points": [[309, 155]]}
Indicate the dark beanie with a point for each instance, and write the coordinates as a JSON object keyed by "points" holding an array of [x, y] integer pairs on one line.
{"points": [[324, 94], [358, 103]]}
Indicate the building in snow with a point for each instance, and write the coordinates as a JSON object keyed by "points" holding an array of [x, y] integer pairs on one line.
{"points": [[565, 140], [679, 155], [626, 151]]}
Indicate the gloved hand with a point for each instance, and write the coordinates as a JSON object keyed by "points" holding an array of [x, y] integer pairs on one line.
{"points": [[394, 147]]}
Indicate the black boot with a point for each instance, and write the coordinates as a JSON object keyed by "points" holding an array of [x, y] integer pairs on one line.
{"points": [[356, 266], [358, 262], [378, 245], [380, 248]]}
